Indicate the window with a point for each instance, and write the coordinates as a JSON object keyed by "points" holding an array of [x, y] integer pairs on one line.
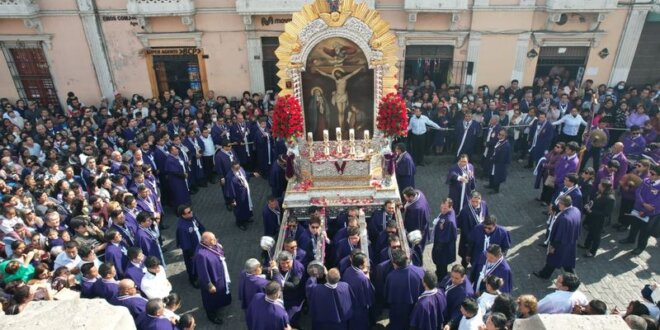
{"points": [[30, 72]]}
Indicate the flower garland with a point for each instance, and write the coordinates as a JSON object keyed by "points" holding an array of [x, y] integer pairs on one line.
{"points": [[392, 117], [287, 118]]}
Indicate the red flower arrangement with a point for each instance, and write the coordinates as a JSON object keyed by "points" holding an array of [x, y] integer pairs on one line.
{"points": [[392, 116], [287, 117]]}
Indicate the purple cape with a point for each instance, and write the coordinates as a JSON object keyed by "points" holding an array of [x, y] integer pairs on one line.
{"points": [[363, 297], [330, 308], [456, 187], [563, 237], [235, 190], [210, 270], [444, 240], [455, 296], [467, 222], [248, 286], [428, 313], [402, 288], [265, 315], [405, 171]]}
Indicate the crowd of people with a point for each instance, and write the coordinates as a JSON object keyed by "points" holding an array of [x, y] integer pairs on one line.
{"points": [[85, 190]]}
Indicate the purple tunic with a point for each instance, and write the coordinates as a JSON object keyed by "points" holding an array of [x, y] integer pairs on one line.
{"points": [[565, 165], [272, 219], [236, 190], [266, 314], [148, 322], [293, 289], [117, 255], [248, 286], [177, 182], [455, 296], [428, 313], [477, 239], [467, 220], [147, 240], [634, 146], [503, 271], [363, 297], [543, 139], [647, 193], [417, 216], [330, 307], [134, 273], [444, 239], [136, 304], [222, 162], [466, 145], [277, 180], [405, 171], [87, 287], [564, 235], [500, 161], [456, 187], [210, 271], [186, 234], [106, 289], [402, 288]]}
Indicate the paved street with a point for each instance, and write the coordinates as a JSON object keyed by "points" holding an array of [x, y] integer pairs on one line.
{"points": [[614, 276]]}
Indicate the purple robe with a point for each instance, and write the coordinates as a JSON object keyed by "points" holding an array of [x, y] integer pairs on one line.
{"points": [[151, 205], [277, 180], [455, 296], [649, 135], [266, 314], [565, 165], [428, 313], [489, 142], [543, 140], [467, 220], [576, 196], [211, 271], [564, 234], [647, 193], [623, 166], [219, 132], [363, 297], [402, 288], [344, 248], [222, 162], [293, 289], [134, 273], [417, 216], [444, 240], [237, 190], [503, 271], [87, 287], [381, 272], [117, 254], [272, 220], [148, 322], [147, 240], [405, 171], [248, 286], [106, 289], [456, 187], [197, 171], [238, 132], [136, 304], [377, 223], [188, 235], [634, 146], [175, 171], [265, 149], [466, 139], [500, 160], [330, 307], [477, 244]]}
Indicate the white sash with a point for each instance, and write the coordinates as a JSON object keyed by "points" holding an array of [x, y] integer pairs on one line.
{"points": [[565, 193], [465, 172], [247, 187], [487, 270], [499, 144], [465, 132], [536, 134], [263, 131], [480, 217]]}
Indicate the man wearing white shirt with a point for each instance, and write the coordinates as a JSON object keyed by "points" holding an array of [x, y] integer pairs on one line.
{"points": [[472, 318], [69, 258], [208, 151], [566, 296], [571, 127], [154, 283], [417, 127]]}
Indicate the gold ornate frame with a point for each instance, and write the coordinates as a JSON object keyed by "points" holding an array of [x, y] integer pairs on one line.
{"points": [[353, 21]]}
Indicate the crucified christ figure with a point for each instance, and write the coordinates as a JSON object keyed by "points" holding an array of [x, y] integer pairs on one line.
{"points": [[340, 99]]}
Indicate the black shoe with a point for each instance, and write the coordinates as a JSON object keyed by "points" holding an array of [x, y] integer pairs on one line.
{"points": [[637, 251], [250, 220], [626, 241], [581, 246], [215, 320], [589, 255], [242, 227], [538, 274]]}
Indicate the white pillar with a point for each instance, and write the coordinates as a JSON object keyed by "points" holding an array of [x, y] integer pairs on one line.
{"points": [[96, 48], [474, 42], [255, 65], [518, 71], [628, 45]]}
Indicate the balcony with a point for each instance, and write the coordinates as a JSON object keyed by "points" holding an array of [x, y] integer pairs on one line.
{"points": [[18, 8], [580, 6], [435, 5], [148, 8], [258, 7]]}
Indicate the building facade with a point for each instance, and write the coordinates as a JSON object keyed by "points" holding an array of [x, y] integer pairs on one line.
{"points": [[96, 47]]}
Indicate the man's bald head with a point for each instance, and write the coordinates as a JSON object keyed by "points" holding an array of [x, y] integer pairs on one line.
{"points": [[208, 238], [333, 276], [617, 147], [125, 285]]}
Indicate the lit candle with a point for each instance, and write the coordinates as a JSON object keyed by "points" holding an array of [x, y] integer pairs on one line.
{"points": [[351, 134], [338, 133], [310, 138], [326, 135], [366, 135]]}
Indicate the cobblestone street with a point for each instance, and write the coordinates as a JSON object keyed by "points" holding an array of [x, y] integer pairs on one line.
{"points": [[614, 275]]}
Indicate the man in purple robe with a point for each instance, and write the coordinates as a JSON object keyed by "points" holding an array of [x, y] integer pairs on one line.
{"points": [[429, 311], [490, 139], [467, 132], [188, 235], [266, 311], [195, 149], [135, 268], [540, 136], [402, 288], [213, 276], [147, 238], [240, 135], [177, 178], [499, 160], [644, 216], [562, 239], [330, 304], [461, 181], [272, 217], [147, 201], [237, 190], [404, 167], [444, 238], [276, 177], [293, 289], [116, 252], [634, 143], [106, 287], [566, 164], [570, 188], [264, 146], [379, 220], [417, 215], [222, 161], [481, 237], [456, 287], [495, 264], [618, 155], [472, 215], [153, 318], [253, 280], [348, 244], [90, 277], [130, 297], [363, 291]]}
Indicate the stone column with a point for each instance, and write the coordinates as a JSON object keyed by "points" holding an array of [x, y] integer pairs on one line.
{"points": [[518, 71], [628, 45], [96, 45], [474, 43]]}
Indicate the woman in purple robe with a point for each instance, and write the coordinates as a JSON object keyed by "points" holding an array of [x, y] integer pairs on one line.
{"points": [[444, 238], [456, 287], [461, 182], [404, 167], [176, 178], [213, 276]]}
